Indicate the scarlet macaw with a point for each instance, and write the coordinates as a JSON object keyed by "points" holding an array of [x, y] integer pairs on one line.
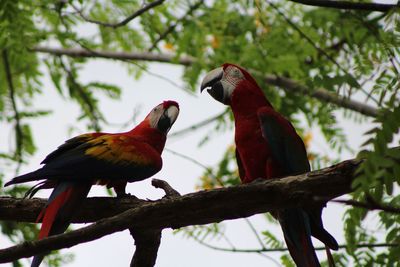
{"points": [[102, 158], [267, 146]]}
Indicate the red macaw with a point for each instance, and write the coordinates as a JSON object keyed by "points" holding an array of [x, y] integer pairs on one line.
{"points": [[102, 158], [267, 146]]}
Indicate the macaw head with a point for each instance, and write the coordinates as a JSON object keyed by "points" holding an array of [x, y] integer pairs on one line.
{"points": [[222, 82], [163, 116]]}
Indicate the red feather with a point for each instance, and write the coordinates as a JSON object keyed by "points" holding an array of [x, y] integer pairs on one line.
{"points": [[51, 211]]}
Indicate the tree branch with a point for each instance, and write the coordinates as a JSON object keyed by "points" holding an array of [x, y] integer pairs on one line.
{"points": [[147, 242], [321, 94], [369, 205], [18, 127], [123, 22], [282, 82], [142, 56], [262, 250], [198, 125], [169, 191], [94, 116], [192, 209], [348, 5]]}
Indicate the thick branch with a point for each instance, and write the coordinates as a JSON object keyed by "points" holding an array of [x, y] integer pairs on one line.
{"points": [[123, 22], [147, 242], [348, 5], [282, 82], [192, 209]]}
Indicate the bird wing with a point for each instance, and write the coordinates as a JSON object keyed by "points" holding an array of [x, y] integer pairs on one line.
{"points": [[288, 150], [287, 147], [98, 156]]}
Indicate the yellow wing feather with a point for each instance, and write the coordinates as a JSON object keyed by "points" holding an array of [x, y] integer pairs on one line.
{"points": [[117, 149]]}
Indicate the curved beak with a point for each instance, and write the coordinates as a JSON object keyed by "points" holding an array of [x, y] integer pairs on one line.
{"points": [[213, 81], [168, 118]]}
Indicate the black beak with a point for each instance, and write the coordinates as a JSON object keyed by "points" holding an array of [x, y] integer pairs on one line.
{"points": [[212, 81], [168, 118], [164, 123]]}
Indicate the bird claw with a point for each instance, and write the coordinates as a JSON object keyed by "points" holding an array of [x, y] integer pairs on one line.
{"points": [[126, 195], [258, 180]]}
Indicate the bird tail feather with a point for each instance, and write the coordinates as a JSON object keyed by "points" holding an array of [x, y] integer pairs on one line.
{"points": [[296, 229], [60, 207]]}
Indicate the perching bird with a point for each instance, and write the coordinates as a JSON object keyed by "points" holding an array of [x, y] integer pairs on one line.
{"points": [[267, 146], [98, 158]]}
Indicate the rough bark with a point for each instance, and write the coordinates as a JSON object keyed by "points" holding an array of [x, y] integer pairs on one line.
{"points": [[147, 242]]}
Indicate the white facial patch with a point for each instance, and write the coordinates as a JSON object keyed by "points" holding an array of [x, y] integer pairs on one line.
{"points": [[231, 78], [172, 113], [155, 115]]}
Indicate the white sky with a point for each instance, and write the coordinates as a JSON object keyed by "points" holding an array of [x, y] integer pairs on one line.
{"points": [[117, 249]]}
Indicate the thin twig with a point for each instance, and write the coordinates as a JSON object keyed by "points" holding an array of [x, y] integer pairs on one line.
{"points": [[161, 77], [261, 250], [124, 21], [18, 127], [198, 163], [198, 125], [348, 5], [172, 26], [194, 161], [94, 116], [232, 249], [369, 205], [253, 229]]}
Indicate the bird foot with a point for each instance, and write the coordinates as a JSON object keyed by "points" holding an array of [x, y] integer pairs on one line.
{"points": [[258, 180], [126, 195]]}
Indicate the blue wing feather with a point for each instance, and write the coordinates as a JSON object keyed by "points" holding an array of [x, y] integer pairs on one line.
{"points": [[287, 148]]}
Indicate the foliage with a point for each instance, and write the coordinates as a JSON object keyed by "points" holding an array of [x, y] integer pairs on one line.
{"points": [[352, 53]]}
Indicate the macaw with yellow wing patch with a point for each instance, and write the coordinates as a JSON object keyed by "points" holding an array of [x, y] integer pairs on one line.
{"points": [[98, 158], [267, 146]]}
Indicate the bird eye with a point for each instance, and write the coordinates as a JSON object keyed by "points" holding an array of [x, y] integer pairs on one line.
{"points": [[236, 72]]}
